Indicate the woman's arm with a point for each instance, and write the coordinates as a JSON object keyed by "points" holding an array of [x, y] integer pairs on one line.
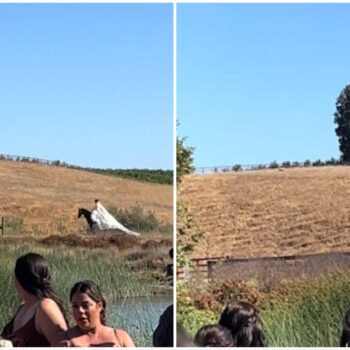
{"points": [[49, 321]]}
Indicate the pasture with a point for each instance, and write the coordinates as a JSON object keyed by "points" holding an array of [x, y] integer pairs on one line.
{"points": [[44, 199], [272, 213]]}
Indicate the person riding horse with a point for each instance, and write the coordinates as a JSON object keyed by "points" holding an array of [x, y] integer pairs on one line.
{"points": [[103, 219]]}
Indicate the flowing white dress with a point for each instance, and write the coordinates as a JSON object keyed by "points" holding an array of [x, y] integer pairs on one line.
{"points": [[105, 221]]}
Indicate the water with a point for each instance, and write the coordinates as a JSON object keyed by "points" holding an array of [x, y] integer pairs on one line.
{"points": [[139, 317]]}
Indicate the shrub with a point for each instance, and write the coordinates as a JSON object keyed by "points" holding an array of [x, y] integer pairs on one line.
{"points": [[136, 219], [13, 225], [237, 167], [273, 165]]}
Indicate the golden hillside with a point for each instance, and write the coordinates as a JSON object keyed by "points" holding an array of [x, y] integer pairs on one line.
{"points": [[48, 197], [271, 212]]}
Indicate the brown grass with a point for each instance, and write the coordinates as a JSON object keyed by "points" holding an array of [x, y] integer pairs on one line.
{"points": [[48, 197], [271, 212]]}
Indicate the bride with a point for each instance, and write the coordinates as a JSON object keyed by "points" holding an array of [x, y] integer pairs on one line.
{"points": [[105, 221]]}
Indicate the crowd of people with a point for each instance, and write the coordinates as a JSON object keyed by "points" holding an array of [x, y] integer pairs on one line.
{"points": [[41, 320], [239, 326]]}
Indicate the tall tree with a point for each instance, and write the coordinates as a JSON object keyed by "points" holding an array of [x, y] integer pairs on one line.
{"points": [[184, 159], [342, 119]]}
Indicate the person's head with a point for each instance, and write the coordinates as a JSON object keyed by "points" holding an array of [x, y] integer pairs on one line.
{"points": [[213, 336], [33, 277], [88, 304], [183, 340], [242, 319], [96, 201], [32, 274]]}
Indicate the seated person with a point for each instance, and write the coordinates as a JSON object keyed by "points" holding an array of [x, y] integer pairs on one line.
{"points": [[213, 336], [89, 312]]}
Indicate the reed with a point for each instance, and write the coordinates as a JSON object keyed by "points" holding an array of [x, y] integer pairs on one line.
{"points": [[113, 274]]}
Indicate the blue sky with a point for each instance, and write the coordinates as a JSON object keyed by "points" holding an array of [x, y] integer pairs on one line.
{"points": [[88, 84], [259, 82]]}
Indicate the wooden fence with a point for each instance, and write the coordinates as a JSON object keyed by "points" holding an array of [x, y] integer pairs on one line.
{"points": [[203, 268]]}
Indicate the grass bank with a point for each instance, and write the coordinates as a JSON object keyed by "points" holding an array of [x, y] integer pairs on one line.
{"points": [[299, 313], [117, 279]]}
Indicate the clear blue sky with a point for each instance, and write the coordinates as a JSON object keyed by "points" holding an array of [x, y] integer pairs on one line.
{"points": [[259, 82], [88, 84]]}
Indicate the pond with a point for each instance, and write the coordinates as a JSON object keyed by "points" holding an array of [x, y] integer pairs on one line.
{"points": [[139, 317]]}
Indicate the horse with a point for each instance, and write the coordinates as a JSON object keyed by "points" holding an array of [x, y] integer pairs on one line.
{"points": [[87, 215], [94, 227]]}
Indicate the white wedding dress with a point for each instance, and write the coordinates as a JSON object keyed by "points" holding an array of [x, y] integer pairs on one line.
{"points": [[105, 221]]}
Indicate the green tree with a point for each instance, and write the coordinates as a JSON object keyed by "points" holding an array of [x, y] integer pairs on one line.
{"points": [[342, 119], [187, 233], [184, 159]]}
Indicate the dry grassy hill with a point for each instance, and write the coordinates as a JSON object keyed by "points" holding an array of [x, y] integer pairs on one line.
{"points": [[48, 197], [271, 212]]}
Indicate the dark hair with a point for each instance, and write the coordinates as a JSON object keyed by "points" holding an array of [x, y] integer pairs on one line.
{"points": [[183, 340], [345, 336], [96, 200], [242, 319], [214, 336], [163, 335], [32, 273], [94, 292]]}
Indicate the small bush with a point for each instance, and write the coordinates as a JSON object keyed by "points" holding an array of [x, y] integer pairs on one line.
{"points": [[273, 165], [237, 167], [13, 225], [136, 219]]}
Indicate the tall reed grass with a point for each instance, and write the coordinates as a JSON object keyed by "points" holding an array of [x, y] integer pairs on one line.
{"points": [[302, 314], [117, 280]]}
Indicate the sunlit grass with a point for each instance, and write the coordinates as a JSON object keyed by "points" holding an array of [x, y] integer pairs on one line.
{"points": [[114, 275]]}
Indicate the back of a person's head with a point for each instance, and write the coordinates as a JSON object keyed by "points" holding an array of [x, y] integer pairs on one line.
{"points": [[163, 334], [183, 340], [32, 273], [214, 336], [242, 319]]}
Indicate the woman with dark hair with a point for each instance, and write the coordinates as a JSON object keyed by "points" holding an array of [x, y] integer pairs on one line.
{"points": [[89, 312], [242, 319], [213, 336], [40, 318]]}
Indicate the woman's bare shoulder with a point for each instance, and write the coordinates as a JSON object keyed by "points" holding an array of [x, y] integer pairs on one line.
{"points": [[124, 338]]}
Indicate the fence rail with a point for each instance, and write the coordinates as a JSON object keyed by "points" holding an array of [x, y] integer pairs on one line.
{"points": [[203, 267], [272, 165]]}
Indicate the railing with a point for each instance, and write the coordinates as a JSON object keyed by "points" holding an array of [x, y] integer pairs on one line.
{"points": [[272, 165], [203, 267]]}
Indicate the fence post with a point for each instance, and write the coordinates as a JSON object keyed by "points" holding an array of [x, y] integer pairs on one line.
{"points": [[2, 226]]}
